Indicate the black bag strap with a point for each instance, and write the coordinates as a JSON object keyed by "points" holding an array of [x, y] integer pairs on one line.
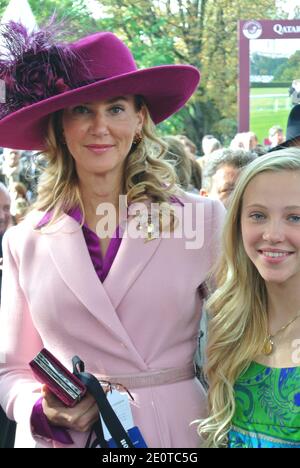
{"points": [[99, 440], [110, 418]]}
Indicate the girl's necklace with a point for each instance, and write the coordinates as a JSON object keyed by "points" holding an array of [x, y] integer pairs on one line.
{"points": [[268, 347]]}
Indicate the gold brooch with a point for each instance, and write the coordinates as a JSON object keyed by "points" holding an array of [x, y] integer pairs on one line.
{"points": [[148, 228]]}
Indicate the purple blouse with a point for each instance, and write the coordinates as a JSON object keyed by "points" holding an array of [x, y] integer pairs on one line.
{"points": [[39, 423]]}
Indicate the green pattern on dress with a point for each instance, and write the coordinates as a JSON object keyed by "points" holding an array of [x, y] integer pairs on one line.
{"points": [[267, 408]]}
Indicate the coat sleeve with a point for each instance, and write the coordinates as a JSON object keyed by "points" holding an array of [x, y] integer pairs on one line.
{"points": [[19, 340]]}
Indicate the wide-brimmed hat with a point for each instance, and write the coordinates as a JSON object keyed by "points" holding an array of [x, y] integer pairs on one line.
{"points": [[292, 130], [44, 77]]}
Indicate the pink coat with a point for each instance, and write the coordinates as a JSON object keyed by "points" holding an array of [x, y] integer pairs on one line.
{"points": [[144, 317]]}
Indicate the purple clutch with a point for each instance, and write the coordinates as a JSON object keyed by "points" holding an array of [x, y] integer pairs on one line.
{"points": [[60, 381]]}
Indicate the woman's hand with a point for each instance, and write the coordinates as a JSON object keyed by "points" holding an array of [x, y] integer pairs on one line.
{"points": [[79, 418]]}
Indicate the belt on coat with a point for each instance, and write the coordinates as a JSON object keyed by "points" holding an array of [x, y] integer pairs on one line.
{"points": [[151, 378]]}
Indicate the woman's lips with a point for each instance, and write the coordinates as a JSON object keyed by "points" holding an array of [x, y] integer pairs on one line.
{"points": [[274, 256], [98, 149]]}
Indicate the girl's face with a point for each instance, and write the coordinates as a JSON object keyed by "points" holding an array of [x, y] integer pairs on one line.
{"points": [[99, 134], [270, 221]]}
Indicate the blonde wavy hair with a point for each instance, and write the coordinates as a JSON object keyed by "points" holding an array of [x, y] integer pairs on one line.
{"points": [[146, 176], [238, 321]]}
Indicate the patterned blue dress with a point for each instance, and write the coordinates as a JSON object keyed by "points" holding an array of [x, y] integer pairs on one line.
{"points": [[267, 408]]}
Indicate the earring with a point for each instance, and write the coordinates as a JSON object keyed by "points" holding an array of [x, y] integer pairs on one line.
{"points": [[137, 139]]}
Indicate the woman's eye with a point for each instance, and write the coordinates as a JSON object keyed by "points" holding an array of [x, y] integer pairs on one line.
{"points": [[116, 110], [80, 110], [257, 216], [294, 218]]}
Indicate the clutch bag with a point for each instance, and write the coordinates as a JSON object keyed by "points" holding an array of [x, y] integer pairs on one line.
{"points": [[60, 381]]}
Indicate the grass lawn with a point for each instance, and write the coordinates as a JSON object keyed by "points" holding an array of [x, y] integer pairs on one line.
{"points": [[260, 122], [268, 107], [259, 91]]}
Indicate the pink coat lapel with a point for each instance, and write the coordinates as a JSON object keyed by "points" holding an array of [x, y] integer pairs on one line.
{"points": [[71, 257], [132, 258]]}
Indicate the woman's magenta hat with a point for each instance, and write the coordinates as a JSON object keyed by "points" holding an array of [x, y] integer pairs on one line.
{"points": [[42, 77]]}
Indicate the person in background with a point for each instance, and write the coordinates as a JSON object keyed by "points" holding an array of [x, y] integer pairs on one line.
{"points": [[276, 136], [5, 217], [210, 144], [32, 164], [17, 167], [247, 141], [238, 142], [292, 130], [222, 171], [196, 178], [294, 91], [187, 170], [251, 141], [196, 171], [253, 354], [11, 168], [7, 427], [98, 234], [190, 147], [19, 202]]}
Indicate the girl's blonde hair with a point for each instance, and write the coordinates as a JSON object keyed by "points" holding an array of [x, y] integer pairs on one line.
{"points": [[146, 175], [238, 308]]}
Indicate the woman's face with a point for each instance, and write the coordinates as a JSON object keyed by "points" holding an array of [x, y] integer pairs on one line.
{"points": [[270, 223], [99, 134]]}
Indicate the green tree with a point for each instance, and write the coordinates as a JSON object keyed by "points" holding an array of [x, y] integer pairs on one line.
{"points": [[291, 70], [199, 32], [78, 19], [263, 65], [220, 54]]}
